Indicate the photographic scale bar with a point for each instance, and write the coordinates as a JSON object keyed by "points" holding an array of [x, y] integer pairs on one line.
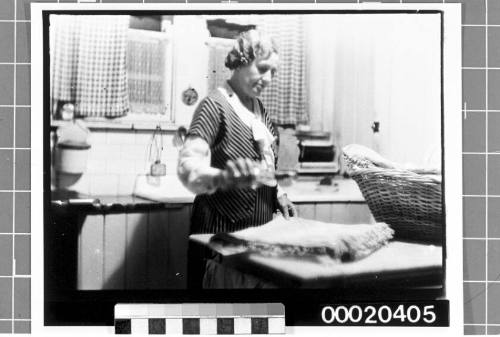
{"points": [[200, 319]]}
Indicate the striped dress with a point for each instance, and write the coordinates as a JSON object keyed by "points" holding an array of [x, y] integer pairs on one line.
{"points": [[229, 138]]}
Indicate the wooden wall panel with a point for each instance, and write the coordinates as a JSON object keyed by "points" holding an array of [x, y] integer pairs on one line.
{"points": [[340, 213], [91, 253], [136, 252], [351, 213], [360, 213], [306, 211], [158, 253], [323, 212], [178, 231], [115, 245]]}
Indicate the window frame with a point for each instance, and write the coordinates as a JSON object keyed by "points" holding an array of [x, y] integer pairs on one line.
{"points": [[142, 121]]}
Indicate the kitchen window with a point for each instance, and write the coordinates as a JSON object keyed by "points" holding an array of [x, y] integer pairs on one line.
{"points": [[110, 74], [149, 65]]}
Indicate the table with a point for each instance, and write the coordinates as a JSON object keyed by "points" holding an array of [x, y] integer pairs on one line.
{"points": [[398, 263]]}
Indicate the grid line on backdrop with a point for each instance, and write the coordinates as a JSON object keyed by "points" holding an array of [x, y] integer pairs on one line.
{"points": [[486, 173], [14, 173], [477, 14]]}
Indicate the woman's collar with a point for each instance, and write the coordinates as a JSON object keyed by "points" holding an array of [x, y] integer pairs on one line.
{"points": [[252, 120], [241, 111], [236, 103], [233, 93]]}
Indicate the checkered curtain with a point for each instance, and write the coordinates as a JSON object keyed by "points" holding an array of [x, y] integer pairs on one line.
{"points": [[88, 67], [285, 99]]}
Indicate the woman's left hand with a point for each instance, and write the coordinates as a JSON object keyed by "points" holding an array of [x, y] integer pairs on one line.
{"points": [[286, 207]]}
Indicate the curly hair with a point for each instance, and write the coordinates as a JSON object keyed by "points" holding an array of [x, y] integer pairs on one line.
{"points": [[247, 47]]}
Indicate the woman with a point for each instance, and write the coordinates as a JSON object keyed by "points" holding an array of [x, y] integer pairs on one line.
{"points": [[227, 154]]}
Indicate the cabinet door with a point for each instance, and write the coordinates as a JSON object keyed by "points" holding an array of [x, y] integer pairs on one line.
{"points": [[136, 269], [351, 213], [178, 232], [306, 211], [91, 253], [134, 251]]}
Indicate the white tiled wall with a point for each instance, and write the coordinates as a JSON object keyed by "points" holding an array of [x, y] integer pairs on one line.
{"points": [[115, 159]]}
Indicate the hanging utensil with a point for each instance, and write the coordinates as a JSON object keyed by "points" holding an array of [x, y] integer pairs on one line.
{"points": [[155, 150]]}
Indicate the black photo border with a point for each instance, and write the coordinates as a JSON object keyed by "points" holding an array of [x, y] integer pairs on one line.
{"points": [[303, 306]]}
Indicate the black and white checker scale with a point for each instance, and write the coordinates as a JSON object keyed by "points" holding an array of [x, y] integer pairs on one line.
{"points": [[200, 318]]}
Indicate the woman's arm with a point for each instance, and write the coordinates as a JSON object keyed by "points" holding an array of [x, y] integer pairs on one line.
{"points": [[195, 172], [194, 168]]}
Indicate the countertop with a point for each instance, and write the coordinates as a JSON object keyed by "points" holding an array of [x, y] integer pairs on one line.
{"points": [[168, 192], [341, 190], [71, 202], [303, 190]]}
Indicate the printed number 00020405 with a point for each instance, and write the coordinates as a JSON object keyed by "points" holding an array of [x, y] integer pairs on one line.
{"points": [[372, 315]]}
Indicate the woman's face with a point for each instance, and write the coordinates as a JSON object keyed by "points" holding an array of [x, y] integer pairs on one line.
{"points": [[256, 76]]}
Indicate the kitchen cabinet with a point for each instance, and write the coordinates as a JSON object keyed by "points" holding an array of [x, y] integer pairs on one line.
{"points": [[116, 243], [146, 250], [133, 250]]}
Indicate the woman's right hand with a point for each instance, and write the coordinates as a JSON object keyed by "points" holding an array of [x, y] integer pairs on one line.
{"points": [[241, 173]]}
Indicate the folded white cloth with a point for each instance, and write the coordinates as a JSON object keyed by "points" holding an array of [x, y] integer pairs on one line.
{"points": [[305, 237]]}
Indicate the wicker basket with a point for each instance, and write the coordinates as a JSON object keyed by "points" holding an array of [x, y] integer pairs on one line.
{"points": [[408, 200]]}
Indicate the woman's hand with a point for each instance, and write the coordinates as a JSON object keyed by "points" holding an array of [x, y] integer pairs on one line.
{"points": [[286, 207], [241, 173]]}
